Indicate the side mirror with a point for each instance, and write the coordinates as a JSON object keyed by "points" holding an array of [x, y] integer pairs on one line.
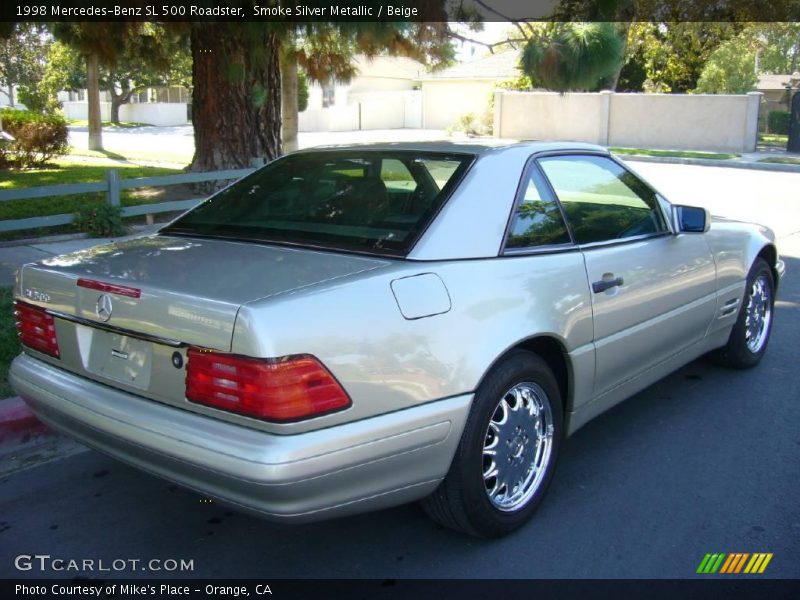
{"points": [[691, 219]]}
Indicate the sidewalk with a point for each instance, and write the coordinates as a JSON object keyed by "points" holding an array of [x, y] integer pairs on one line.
{"points": [[749, 160]]}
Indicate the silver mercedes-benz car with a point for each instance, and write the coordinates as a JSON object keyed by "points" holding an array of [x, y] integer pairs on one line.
{"points": [[352, 328]]}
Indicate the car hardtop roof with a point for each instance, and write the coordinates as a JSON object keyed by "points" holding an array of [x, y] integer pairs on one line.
{"points": [[477, 146]]}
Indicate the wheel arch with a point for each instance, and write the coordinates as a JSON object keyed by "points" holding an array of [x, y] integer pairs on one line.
{"points": [[552, 350], [770, 254]]}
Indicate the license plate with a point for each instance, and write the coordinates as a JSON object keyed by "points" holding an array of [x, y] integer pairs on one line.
{"points": [[121, 358]]}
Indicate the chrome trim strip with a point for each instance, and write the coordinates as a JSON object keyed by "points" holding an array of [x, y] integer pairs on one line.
{"points": [[627, 240], [547, 249], [121, 330]]}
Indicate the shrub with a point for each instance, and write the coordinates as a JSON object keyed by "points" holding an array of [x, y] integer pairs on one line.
{"points": [[36, 143], [778, 121], [6, 160], [38, 138], [474, 125], [100, 221]]}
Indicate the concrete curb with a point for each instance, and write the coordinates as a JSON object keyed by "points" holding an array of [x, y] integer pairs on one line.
{"points": [[17, 422], [710, 162]]}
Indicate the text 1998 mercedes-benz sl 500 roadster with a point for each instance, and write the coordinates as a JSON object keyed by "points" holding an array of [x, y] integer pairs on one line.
{"points": [[357, 327]]}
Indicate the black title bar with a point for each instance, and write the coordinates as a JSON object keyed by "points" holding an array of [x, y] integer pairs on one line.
{"points": [[399, 589], [399, 10]]}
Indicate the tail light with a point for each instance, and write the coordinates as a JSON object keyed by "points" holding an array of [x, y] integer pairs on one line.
{"points": [[282, 389], [36, 328]]}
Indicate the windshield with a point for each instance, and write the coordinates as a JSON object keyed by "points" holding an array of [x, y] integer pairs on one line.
{"points": [[374, 201]]}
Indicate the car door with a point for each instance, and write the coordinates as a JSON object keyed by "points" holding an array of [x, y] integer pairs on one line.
{"points": [[653, 292]]}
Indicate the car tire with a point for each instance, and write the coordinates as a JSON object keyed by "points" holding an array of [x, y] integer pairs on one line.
{"points": [[514, 430], [750, 335]]}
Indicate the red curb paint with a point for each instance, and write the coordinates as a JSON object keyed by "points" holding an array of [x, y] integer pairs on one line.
{"points": [[17, 421]]}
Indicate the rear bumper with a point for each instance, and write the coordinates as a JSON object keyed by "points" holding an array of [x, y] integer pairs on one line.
{"points": [[365, 465]]}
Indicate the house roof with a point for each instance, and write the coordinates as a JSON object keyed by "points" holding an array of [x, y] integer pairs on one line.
{"points": [[772, 82], [394, 67], [498, 66]]}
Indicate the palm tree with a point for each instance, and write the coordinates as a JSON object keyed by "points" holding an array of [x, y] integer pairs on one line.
{"points": [[573, 56]]}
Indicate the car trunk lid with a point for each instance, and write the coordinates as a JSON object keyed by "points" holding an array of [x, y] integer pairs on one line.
{"points": [[186, 289]]}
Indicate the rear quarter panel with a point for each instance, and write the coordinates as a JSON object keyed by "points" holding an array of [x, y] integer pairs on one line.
{"points": [[387, 362]]}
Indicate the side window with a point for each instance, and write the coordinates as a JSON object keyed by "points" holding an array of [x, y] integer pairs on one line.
{"points": [[537, 222], [396, 176], [602, 200]]}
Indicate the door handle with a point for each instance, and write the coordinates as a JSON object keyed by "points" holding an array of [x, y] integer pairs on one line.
{"points": [[606, 284]]}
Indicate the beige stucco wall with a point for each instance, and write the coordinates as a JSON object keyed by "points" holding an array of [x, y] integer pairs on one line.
{"points": [[162, 114], [551, 116], [725, 123], [691, 121], [369, 110], [360, 84], [444, 101], [380, 110]]}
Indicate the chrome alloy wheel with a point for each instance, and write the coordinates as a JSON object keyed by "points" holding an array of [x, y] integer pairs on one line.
{"points": [[517, 446], [758, 315]]}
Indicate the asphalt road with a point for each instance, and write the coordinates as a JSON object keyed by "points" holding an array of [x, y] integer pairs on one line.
{"points": [[707, 460]]}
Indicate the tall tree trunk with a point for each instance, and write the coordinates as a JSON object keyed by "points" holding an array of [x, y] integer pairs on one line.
{"points": [[116, 102], [623, 29], [236, 99], [289, 98], [93, 93], [11, 95]]}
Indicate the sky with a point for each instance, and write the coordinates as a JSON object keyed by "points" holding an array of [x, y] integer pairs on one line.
{"points": [[493, 31]]}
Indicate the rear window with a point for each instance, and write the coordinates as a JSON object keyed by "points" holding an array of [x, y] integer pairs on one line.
{"points": [[356, 200]]}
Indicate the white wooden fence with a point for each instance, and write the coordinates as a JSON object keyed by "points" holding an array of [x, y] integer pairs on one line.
{"points": [[112, 186]]}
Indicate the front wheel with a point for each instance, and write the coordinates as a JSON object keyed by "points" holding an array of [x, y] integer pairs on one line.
{"points": [[750, 335], [508, 451]]}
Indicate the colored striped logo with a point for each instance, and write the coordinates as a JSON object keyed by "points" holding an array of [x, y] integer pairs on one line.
{"points": [[734, 562]]}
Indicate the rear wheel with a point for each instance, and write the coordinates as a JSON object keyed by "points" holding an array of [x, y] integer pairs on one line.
{"points": [[750, 335], [508, 451]]}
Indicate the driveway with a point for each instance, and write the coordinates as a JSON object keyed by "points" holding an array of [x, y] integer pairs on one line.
{"points": [[173, 142]]}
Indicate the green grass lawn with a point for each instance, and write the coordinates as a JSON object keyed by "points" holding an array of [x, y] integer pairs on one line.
{"points": [[156, 155], [9, 344], [674, 153], [782, 160], [773, 139], [65, 171], [120, 125]]}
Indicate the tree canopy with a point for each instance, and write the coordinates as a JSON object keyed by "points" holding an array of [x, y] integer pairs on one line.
{"points": [[127, 72], [572, 56], [22, 62], [733, 67]]}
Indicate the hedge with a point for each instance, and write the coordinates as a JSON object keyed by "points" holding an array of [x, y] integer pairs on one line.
{"points": [[778, 121]]}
